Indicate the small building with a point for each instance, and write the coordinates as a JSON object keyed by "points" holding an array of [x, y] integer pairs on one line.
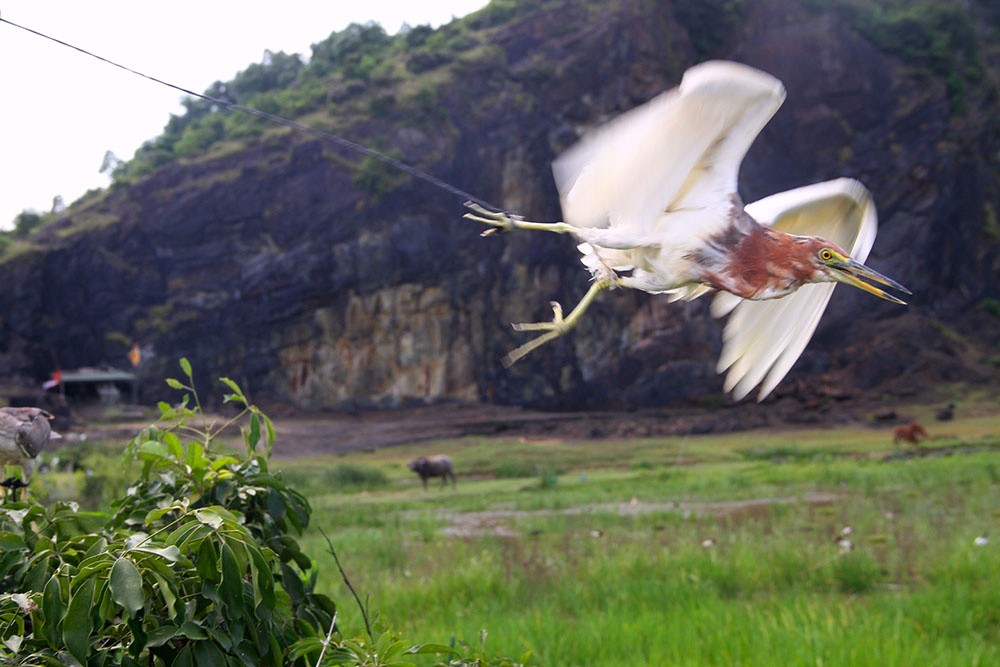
{"points": [[108, 386]]}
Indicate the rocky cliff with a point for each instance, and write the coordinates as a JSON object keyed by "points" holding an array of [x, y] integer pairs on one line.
{"points": [[324, 280]]}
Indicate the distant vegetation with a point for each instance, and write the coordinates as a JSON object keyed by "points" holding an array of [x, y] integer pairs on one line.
{"points": [[337, 76], [361, 72], [938, 37], [709, 23]]}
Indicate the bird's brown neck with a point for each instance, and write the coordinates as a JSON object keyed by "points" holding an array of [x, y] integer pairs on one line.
{"points": [[755, 262]]}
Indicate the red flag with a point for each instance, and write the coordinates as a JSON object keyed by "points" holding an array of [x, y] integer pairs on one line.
{"points": [[54, 381]]}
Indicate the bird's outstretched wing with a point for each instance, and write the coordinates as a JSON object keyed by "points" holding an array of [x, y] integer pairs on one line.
{"points": [[681, 149], [763, 339]]}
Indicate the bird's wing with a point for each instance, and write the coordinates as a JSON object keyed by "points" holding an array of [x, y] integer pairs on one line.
{"points": [[9, 423], [763, 339], [682, 148]]}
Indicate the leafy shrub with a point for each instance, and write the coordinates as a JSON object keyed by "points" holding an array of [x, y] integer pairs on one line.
{"points": [[197, 563]]}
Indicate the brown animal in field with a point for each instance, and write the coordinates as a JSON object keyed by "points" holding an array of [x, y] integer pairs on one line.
{"points": [[911, 433], [433, 466]]}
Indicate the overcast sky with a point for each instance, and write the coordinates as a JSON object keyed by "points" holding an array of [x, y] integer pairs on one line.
{"points": [[60, 110]]}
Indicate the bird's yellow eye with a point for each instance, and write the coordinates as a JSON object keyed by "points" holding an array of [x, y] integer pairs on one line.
{"points": [[826, 254]]}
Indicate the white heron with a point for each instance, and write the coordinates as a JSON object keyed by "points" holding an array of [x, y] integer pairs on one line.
{"points": [[653, 197]]}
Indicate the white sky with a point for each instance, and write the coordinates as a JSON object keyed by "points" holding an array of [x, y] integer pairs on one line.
{"points": [[60, 110]]}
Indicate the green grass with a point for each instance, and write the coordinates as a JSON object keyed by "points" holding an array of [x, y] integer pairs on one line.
{"points": [[579, 575], [593, 552]]}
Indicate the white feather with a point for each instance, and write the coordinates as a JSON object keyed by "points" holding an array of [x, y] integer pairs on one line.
{"points": [[683, 148]]}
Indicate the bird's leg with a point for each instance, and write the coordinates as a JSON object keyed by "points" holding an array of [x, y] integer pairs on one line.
{"points": [[502, 222], [559, 324]]}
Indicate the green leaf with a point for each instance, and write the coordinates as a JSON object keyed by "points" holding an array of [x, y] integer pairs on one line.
{"points": [[66, 660], [151, 448], [176, 384], [11, 542], [269, 426], [224, 461], [13, 642], [186, 366], [77, 625], [207, 563], [54, 608], [184, 658], [209, 516], [208, 654], [126, 586], [170, 553], [192, 630], [158, 513], [263, 580], [235, 388], [160, 635], [167, 592], [231, 588], [195, 457], [305, 646]]}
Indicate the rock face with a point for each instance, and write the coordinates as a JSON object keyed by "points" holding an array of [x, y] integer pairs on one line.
{"points": [[271, 266]]}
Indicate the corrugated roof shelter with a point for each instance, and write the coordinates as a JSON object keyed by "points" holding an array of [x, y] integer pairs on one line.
{"points": [[106, 381]]}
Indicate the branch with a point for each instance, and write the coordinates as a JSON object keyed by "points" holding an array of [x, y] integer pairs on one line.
{"points": [[326, 642], [361, 606]]}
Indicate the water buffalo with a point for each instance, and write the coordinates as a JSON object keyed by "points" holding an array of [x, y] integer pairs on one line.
{"points": [[433, 466]]}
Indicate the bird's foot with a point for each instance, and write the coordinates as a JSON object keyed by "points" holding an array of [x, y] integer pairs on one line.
{"points": [[559, 324], [554, 329], [13, 483], [501, 221]]}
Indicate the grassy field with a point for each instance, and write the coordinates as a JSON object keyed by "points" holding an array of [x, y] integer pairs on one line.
{"points": [[714, 550]]}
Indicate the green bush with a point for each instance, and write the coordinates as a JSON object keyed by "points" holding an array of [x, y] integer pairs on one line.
{"points": [[197, 564]]}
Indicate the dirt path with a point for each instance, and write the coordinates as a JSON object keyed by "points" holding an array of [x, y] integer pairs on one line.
{"points": [[365, 431], [497, 522]]}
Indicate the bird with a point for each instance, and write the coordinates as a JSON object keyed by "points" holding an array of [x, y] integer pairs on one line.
{"points": [[24, 434], [652, 198]]}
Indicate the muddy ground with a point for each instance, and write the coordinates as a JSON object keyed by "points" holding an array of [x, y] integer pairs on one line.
{"points": [[302, 434], [365, 431]]}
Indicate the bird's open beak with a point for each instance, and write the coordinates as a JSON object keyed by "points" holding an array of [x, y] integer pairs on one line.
{"points": [[851, 272]]}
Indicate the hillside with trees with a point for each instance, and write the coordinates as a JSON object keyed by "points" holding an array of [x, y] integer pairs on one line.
{"points": [[324, 278]]}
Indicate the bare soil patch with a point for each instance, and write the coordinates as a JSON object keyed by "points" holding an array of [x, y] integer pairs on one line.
{"points": [[497, 522]]}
